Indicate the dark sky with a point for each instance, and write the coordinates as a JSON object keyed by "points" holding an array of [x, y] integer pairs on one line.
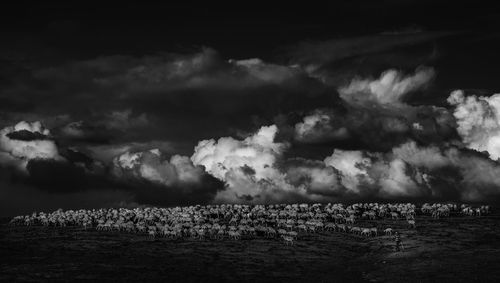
{"points": [[318, 102]]}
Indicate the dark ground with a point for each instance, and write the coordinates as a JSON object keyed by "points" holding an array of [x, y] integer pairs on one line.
{"points": [[458, 249]]}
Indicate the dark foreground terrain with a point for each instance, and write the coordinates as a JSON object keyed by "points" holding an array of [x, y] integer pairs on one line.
{"points": [[457, 249]]}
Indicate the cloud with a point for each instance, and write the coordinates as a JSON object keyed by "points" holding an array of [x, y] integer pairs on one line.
{"points": [[468, 175], [255, 171], [118, 99], [429, 157], [229, 159], [479, 176], [106, 153], [148, 165], [318, 178], [374, 115], [338, 60], [258, 70], [29, 157], [169, 72], [389, 89], [395, 182], [358, 135], [320, 126], [374, 129], [352, 165], [478, 120], [24, 142], [374, 175]]}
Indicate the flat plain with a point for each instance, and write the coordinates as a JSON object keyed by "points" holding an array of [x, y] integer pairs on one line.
{"points": [[454, 249]]}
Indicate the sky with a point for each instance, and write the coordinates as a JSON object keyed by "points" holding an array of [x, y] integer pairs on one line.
{"points": [[131, 104]]}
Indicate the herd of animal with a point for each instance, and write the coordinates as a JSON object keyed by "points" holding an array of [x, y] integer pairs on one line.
{"points": [[234, 221]]}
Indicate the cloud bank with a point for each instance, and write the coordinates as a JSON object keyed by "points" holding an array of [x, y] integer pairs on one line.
{"points": [[174, 128]]}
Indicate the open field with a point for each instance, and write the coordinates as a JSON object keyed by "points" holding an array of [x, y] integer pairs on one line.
{"points": [[458, 249]]}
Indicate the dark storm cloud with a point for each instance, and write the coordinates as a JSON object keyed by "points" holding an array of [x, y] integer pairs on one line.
{"points": [[132, 97]]}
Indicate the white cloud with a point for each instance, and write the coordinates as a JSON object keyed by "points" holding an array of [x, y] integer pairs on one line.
{"points": [[227, 159], [478, 120], [257, 151]]}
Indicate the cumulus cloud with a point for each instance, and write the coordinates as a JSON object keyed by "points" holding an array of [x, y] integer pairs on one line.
{"points": [[478, 120], [255, 170], [258, 151], [370, 174], [389, 89], [26, 141], [246, 166]]}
